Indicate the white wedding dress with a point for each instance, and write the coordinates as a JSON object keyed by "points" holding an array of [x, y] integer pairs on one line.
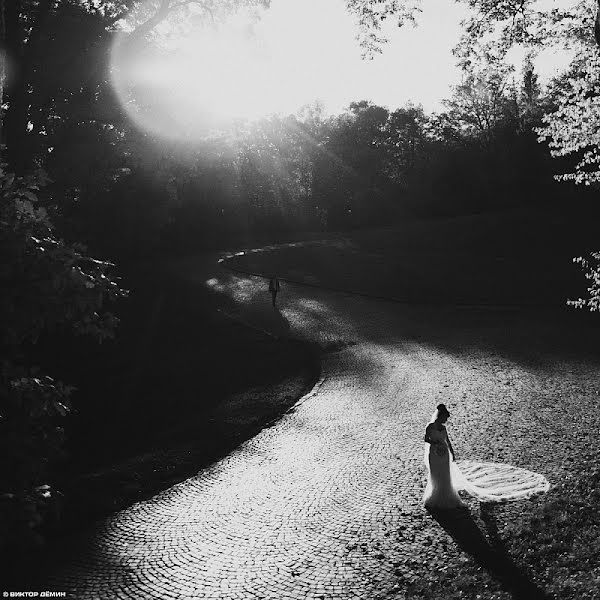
{"points": [[441, 491], [488, 482]]}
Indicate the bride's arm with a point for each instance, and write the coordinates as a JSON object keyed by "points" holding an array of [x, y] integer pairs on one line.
{"points": [[450, 446], [427, 436]]}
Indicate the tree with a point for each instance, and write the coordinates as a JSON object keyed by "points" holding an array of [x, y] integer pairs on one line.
{"points": [[59, 51], [47, 285], [573, 129], [407, 135], [530, 89], [480, 101], [569, 128]]}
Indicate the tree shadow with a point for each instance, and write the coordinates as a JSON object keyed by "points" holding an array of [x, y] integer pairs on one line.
{"points": [[489, 552]]}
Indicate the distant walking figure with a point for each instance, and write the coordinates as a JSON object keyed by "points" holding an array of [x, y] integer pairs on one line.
{"points": [[440, 492], [274, 288]]}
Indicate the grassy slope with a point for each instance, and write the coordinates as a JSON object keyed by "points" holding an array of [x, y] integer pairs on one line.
{"points": [[516, 257]]}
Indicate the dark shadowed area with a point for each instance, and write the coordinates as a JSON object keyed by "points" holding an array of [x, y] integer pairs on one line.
{"points": [[186, 381]]}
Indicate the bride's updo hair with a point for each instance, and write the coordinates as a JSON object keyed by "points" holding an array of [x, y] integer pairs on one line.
{"points": [[439, 411]]}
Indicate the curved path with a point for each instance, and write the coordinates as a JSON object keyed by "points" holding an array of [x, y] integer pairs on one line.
{"points": [[325, 503]]}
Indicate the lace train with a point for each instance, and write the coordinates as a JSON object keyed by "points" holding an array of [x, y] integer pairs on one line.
{"points": [[496, 482]]}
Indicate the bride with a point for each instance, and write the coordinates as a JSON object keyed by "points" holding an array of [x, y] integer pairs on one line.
{"points": [[440, 491], [488, 482]]}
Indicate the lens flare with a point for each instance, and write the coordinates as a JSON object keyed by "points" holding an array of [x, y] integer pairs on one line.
{"points": [[191, 77], [206, 78]]}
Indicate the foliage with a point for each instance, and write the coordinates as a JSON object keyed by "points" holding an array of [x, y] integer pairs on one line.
{"points": [[31, 441], [371, 14], [574, 128], [480, 101], [571, 127], [572, 124], [47, 284], [591, 270]]}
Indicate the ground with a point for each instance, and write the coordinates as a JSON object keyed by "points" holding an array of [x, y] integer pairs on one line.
{"points": [[326, 502]]}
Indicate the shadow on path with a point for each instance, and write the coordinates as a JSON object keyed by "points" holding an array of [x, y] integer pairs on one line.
{"points": [[491, 554], [280, 324]]}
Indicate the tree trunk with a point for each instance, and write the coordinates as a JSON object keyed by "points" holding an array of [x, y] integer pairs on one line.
{"points": [[20, 52], [2, 75], [14, 85]]}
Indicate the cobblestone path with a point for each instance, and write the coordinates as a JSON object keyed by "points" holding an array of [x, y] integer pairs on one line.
{"points": [[307, 508]]}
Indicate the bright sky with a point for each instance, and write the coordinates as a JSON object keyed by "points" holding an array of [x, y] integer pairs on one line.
{"points": [[315, 51], [315, 54], [300, 51]]}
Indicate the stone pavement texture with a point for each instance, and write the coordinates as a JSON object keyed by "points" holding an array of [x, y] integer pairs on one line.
{"points": [[320, 504]]}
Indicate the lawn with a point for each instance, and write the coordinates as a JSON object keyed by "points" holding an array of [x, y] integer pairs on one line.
{"points": [[516, 257]]}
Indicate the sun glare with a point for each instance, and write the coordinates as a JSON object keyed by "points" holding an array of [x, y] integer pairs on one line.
{"points": [[242, 69], [209, 77]]}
